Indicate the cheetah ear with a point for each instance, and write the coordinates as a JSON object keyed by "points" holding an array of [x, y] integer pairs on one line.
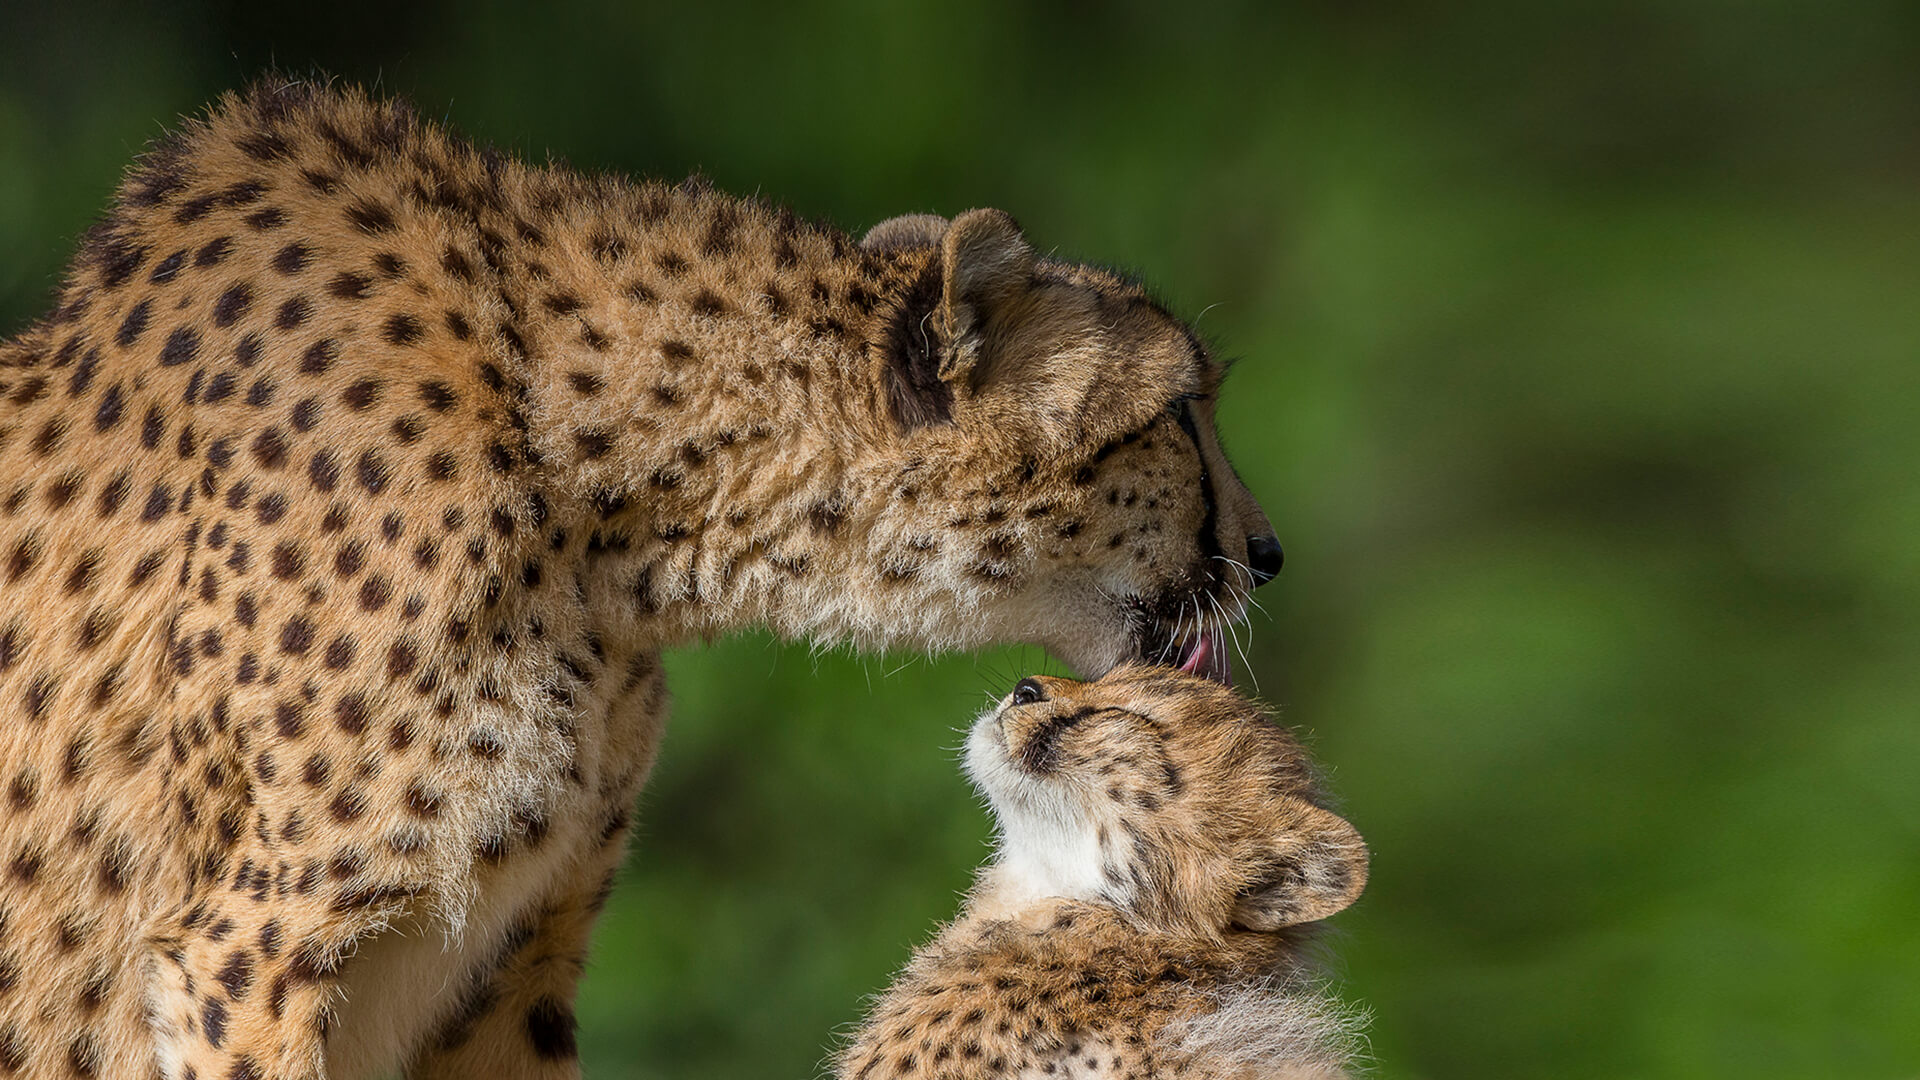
{"points": [[985, 262], [1318, 867], [905, 231]]}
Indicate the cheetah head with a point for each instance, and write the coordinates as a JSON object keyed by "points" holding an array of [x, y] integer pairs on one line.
{"points": [[1168, 796], [1053, 472]]}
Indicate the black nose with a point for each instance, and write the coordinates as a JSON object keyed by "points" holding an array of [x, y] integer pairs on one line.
{"points": [[1264, 558]]}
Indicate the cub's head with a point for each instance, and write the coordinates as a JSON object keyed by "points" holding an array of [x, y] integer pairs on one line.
{"points": [[1053, 474], [1165, 795]]}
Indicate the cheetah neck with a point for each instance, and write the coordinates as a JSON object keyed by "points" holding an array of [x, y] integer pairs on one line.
{"points": [[703, 382]]}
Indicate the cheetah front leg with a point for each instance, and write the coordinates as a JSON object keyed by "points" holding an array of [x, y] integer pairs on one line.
{"points": [[239, 989], [516, 1020]]}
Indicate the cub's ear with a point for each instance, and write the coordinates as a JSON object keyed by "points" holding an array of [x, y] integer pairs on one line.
{"points": [[905, 231], [985, 262], [1317, 867]]}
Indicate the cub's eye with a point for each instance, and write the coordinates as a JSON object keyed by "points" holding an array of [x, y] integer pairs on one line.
{"points": [[1028, 692]]}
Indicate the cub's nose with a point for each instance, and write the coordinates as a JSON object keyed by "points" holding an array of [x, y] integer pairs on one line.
{"points": [[1264, 558]]}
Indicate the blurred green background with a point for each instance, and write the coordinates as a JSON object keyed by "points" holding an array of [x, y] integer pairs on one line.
{"points": [[1579, 378]]}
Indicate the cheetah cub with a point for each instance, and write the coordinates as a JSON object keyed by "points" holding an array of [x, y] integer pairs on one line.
{"points": [[1163, 846]]}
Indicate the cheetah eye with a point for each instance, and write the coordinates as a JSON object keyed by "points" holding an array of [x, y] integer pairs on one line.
{"points": [[1028, 692]]}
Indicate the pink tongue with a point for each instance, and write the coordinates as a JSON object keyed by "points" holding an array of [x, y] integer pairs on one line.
{"points": [[1209, 658]]}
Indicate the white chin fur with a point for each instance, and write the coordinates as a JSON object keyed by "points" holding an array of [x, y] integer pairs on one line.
{"points": [[1049, 844], [1093, 633]]}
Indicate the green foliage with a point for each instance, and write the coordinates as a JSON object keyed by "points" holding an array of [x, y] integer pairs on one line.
{"points": [[1579, 379]]}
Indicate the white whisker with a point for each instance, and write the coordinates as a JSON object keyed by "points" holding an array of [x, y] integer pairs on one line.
{"points": [[1179, 623], [1241, 648], [1242, 590]]}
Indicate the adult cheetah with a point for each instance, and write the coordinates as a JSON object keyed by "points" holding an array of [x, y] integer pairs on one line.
{"points": [[357, 480]]}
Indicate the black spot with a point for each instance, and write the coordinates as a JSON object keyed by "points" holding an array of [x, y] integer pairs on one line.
{"points": [[212, 252], [319, 357], [340, 653], [168, 268], [370, 217], [351, 712], [296, 636], [39, 696], [111, 404], [408, 429], [159, 501], [62, 491], [219, 388], [292, 259], [134, 324], [232, 304], [350, 286], [456, 264], [236, 977], [324, 470], [374, 593], [293, 313], [373, 472], [262, 146], [47, 439], [82, 377], [361, 394], [402, 329], [194, 209], [402, 658], [213, 1021], [593, 443], [270, 448], [182, 346], [30, 390], [550, 1027], [288, 562], [438, 396]]}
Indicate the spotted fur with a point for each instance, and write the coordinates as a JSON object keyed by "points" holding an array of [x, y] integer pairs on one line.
{"points": [[355, 484], [1164, 850]]}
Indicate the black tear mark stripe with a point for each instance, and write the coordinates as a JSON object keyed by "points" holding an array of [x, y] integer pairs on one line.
{"points": [[1210, 525], [1037, 754]]}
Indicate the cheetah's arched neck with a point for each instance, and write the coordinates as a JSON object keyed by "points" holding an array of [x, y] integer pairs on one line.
{"points": [[685, 361]]}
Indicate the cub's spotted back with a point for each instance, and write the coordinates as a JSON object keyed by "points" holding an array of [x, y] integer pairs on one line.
{"points": [[1164, 850]]}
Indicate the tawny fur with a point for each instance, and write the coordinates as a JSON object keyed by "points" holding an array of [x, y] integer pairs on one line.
{"points": [[1164, 848], [353, 487]]}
